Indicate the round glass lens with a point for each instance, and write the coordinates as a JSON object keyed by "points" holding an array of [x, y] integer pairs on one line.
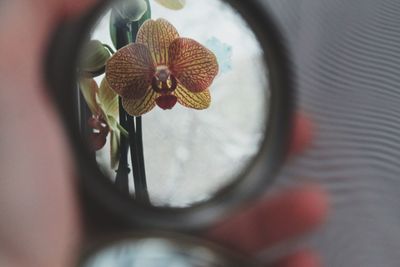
{"points": [[174, 98], [155, 252]]}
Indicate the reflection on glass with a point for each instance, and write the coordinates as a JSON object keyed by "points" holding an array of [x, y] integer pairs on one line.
{"points": [[198, 80], [154, 252]]}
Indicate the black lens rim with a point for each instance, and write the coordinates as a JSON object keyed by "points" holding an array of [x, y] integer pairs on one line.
{"points": [[102, 201]]}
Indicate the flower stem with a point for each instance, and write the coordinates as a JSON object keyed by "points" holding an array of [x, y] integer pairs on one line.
{"points": [[136, 145], [126, 33], [136, 140], [122, 179], [140, 153], [84, 115]]}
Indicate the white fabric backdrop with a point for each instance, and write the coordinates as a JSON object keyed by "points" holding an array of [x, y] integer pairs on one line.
{"points": [[347, 57]]}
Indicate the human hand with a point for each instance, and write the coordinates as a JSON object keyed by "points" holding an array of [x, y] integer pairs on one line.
{"points": [[39, 222], [278, 218]]}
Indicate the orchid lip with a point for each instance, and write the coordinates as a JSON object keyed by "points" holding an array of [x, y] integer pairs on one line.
{"points": [[166, 101]]}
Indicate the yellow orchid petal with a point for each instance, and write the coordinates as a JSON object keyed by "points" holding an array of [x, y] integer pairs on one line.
{"points": [[129, 71], [157, 35], [172, 4], [89, 90], [138, 107], [201, 100], [108, 99], [192, 64]]}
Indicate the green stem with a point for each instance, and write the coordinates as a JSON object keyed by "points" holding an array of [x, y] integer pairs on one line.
{"points": [[122, 179], [126, 33], [141, 193], [136, 142], [140, 159]]}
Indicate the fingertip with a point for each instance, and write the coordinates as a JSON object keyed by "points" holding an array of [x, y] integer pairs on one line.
{"points": [[303, 130], [301, 259], [74, 7], [312, 205]]}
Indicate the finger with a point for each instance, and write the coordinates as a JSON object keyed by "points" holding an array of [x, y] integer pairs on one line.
{"points": [[73, 7], [279, 218], [303, 131], [300, 259], [57, 8]]}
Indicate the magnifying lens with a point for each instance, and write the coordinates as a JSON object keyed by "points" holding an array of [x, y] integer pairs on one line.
{"points": [[179, 112]]}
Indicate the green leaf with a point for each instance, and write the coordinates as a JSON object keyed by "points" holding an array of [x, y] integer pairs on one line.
{"points": [[114, 149], [94, 58], [172, 4], [89, 89]]}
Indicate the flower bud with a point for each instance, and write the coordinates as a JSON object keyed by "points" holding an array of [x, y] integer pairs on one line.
{"points": [[95, 56], [172, 4], [133, 10]]}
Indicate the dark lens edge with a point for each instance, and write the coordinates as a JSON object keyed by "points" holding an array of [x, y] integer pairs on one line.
{"points": [[102, 203]]}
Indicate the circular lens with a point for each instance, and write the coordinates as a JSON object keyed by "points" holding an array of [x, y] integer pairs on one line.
{"points": [[183, 107], [177, 102], [161, 252]]}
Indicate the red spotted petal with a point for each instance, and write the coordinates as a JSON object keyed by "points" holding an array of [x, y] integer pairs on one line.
{"points": [[157, 36], [192, 64], [129, 71]]}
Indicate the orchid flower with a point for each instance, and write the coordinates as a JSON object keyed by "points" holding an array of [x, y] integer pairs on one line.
{"points": [[103, 104], [161, 69]]}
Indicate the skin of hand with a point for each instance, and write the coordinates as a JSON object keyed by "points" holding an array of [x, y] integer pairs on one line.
{"points": [[39, 221]]}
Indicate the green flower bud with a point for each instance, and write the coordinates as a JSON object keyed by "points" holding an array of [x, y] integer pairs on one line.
{"points": [[132, 10], [94, 58], [172, 4]]}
